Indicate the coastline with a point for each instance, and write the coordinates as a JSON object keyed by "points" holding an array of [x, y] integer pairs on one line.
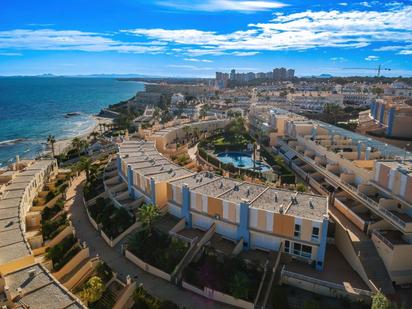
{"points": [[62, 145]]}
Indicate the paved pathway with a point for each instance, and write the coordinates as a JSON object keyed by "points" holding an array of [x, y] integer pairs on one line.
{"points": [[112, 256]]}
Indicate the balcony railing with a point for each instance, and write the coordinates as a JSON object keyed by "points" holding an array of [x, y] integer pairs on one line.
{"points": [[332, 285], [395, 220], [383, 239]]}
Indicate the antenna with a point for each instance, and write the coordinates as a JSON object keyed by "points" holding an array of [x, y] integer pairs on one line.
{"points": [[378, 69]]}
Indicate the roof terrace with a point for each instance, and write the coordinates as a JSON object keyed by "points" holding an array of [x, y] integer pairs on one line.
{"points": [[195, 180], [244, 191], [217, 187]]}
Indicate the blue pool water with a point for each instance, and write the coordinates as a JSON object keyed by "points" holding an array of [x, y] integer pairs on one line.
{"points": [[242, 160]]}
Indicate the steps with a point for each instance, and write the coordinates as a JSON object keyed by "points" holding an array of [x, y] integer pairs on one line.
{"points": [[268, 279], [366, 253], [373, 266]]}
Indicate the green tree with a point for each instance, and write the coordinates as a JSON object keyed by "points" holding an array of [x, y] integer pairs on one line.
{"points": [[147, 214], [93, 290], [379, 301], [85, 164], [51, 140], [78, 145], [239, 287]]}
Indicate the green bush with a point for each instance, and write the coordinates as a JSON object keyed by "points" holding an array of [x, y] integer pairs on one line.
{"points": [[50, 229], [232, 276], [157, 249], [51, 195], [143, 300], [61, 253]]}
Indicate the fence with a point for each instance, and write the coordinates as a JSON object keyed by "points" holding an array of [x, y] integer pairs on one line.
{"points": [[147, 267]]}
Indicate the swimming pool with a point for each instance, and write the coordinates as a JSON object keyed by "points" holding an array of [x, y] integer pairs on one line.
{"points": [[242, 160]]}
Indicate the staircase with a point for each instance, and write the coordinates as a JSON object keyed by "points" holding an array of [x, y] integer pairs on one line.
{"points": [[373, 266], [194, 249], [368, 256], [268, 279]]}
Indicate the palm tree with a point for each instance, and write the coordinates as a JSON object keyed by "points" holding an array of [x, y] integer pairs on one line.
{"points": [[85, 164], [77, 144], [147, 214], [94, 134], [51, 140]]}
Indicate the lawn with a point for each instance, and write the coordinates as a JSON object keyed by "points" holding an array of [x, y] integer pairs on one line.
{"points": [[232, 276], [157, 249]]}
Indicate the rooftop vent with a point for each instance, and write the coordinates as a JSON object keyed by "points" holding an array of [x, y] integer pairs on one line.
{"points": [[276, 197], [236, 188], [221, 185], [248, 192], [32, 273], [281, 209], [311, 203]]}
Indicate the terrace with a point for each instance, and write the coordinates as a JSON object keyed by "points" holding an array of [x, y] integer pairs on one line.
{"points": [[217, 187], [195, 180], [243, 191]]}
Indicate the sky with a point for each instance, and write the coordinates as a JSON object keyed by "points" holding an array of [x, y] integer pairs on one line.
{"points": [[196, 38]]}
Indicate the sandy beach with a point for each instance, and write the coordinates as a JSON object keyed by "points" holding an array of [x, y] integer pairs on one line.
{"points": [[64, 144]]}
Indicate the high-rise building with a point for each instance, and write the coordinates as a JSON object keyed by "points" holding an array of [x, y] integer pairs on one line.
{"points": [[233, 74], [290, 74]]}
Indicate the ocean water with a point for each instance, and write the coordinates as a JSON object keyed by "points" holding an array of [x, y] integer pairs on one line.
{"points": [[31, 108]]}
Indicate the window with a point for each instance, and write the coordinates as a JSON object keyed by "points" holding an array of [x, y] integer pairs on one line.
{"points": [[306, 251], [297, 248], [297, 231], [302, 250], [287, 246], [315, 233]]}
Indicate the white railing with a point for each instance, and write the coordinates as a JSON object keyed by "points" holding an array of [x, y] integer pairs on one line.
{"points": [[383, 239], [395, 220], [328, 284]]}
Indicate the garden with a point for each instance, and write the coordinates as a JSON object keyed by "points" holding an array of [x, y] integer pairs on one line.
{"points": [[52, 227], [157, 249], [63, 252], [94, 291], [143, 300], [231, 276], [113, 220]]}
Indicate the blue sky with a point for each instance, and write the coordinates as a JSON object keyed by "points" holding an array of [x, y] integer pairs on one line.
{"points": [[197, 38]]}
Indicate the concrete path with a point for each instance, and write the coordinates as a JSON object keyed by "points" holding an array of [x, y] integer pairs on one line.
{"points": [[192, 152], [112, 256]]}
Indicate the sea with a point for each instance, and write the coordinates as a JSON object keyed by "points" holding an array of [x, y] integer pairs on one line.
{"points": [[31, 108]]}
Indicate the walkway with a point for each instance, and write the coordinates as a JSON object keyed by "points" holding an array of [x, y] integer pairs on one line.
{"points": [[192, 152], [122, 266]]}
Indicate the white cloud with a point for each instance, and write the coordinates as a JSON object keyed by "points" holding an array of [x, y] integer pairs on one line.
{"points": [[189, 67], [296, 31], [372, 58], [222, 5], [198, 60], [343, 4], [49, 39], [338, 59], [245, 54], [405, 52], [365, 4], [10, 54]]}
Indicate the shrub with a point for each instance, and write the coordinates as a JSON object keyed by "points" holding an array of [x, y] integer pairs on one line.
{"points": [[93, 290], [50, 196], [50, 229], [379, 301]]}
